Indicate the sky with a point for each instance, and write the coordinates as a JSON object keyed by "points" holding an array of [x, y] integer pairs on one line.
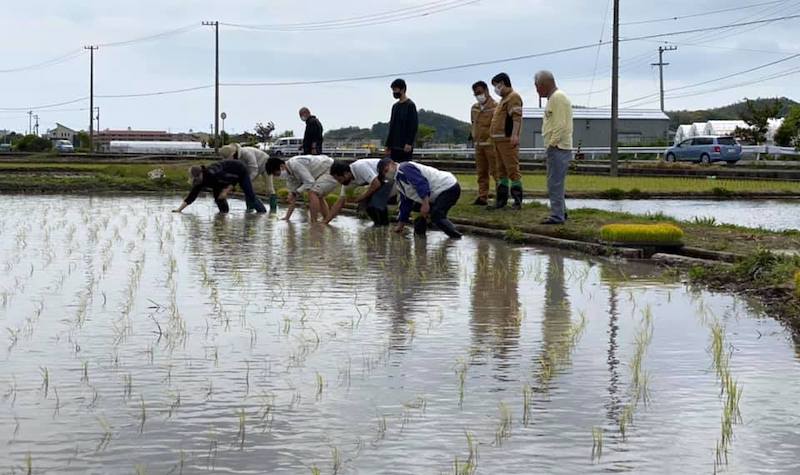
{"points": [[279, 41]]}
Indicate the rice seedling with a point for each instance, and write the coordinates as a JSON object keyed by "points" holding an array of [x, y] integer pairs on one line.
{"points": [[241, 435], [503, 430], [527, 400], [597, 443], [213, 445], [141, 469], [638, 390], [656, 234], [320, 385], [127, 381], [174, 405], [58, 402], [45, 380], [336, 464], [461, 374], [315, 470], [381, 430], [142, 414], [29, 464], [345, 374], [470, 465], [106, 435]]}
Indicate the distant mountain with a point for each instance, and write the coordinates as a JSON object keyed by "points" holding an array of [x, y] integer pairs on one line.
{"points": [[448, 129], [729, 112]]}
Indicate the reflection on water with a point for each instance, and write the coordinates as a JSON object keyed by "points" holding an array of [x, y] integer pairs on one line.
{"points": [[777, 215], [142, 341]]}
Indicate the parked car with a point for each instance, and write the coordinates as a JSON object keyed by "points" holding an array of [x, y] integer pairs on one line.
{"points": [[286, 147], [63, 146], [705, 149], [5, 147]]}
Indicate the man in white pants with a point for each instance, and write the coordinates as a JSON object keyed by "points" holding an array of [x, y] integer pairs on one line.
{"points": [[255, 160], [557, 134], [305, 173]]}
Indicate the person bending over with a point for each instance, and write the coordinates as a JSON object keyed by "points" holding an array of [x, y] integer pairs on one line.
{"points": [[305, 173], [220, 177], [425, 189], [374, 200], [255, 160]]}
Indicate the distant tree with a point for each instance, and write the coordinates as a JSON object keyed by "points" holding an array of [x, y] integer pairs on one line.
{"points": [[788, 133], [757, 116], [82, 140], [32, 143], [264, 132], [425, 135], [285, 133], [224, 138]]}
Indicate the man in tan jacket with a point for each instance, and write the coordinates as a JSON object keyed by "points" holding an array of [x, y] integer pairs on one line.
{"points": [[485, 157], [505, 133]]}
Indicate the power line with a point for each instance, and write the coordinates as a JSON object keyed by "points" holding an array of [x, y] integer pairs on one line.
{"points": [[391, 16], [597, 56], [44, 106], [50, 62], [156, 93], [695, 15]]}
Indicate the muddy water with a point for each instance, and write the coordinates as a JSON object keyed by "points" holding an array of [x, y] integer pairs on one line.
{"points": [[139, 340], [776, 215]]}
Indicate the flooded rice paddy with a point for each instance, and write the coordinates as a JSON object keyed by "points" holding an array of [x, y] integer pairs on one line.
{"points": [[775, 215], [139, 341]]}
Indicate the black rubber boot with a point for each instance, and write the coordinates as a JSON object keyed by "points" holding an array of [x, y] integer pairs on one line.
{"points": [[448, 228], [516, 193], [420, 226], [383, 215], [501, 198]]}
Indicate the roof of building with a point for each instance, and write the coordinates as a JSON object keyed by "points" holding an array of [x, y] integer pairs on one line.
{"points": [[132, 132], [596, 113], [58, 124]]}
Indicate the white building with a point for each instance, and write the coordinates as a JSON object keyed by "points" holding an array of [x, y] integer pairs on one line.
{"points": [[772, 128], [129, 146], [724, 127], [61, 132]]}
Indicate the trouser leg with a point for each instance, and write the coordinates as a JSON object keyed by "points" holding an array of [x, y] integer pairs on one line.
{"points": [[250, 195], [222, 205], [439, 209], [557, 166], [399, 155], [379, 203], [482, 171], [502, 149]]}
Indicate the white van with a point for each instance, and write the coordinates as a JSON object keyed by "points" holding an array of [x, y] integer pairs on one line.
{"points": [[286, 147]]}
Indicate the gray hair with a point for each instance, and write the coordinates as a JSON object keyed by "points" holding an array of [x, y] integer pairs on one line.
{"points": [[544, 75]]}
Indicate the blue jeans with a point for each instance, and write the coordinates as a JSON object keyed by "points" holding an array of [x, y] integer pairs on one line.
{"points": [[250, 195], [557, 166]]}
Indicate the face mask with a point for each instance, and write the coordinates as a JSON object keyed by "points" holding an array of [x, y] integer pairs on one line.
{"points": [[284, 175], [481, 98], [391, 175], [498, 90], [397, 95], [304, 119]]}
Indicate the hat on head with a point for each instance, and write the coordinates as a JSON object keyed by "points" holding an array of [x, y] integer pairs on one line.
{"points": [[381, 165], [228, 151]]}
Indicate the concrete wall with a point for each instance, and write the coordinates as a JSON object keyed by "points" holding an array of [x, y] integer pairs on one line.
{"points": [[596, 132]]}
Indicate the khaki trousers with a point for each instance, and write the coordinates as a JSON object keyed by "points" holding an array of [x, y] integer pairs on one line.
{"points": [[486, 167], [507, 160]]}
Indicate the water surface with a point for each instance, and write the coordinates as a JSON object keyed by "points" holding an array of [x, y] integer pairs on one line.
{"points": [[143, 340]]}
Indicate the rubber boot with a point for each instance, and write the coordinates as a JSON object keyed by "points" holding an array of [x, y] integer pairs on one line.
{"points": [[383, 215], [448, 228], [420, 226], [273, 203], [501, 198], [516, 193]]}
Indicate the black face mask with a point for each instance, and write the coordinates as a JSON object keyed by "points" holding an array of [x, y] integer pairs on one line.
{"points": [[397, 95]]}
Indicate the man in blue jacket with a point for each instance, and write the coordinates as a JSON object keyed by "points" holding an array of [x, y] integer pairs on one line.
{"points": [[425, 189]]}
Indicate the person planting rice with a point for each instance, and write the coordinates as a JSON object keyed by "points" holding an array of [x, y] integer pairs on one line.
{"points": [[305, 173], [374, 200], [220, 177], [255, 160], [425, 189]]}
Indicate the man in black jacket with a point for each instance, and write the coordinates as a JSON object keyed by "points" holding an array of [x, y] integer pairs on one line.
{"points": [[402, 125], [312, 139], [220, 177]]}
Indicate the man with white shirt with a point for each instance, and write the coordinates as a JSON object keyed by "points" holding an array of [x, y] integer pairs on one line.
{"points": [[557, 135], [255, 160], [305, 173], [374, 200], [425, 189]]}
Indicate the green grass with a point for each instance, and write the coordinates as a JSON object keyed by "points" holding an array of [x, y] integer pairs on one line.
{"points": [[537, 183]]}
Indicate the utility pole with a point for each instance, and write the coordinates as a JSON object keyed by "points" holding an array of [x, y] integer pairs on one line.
{"points": [[91, 49], [614, 169], [97, 117], [215, 24], [36, 126], [30, 122], [661, 65]]}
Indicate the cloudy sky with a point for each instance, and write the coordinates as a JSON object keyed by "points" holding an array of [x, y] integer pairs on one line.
{"points": [[279, 41]]}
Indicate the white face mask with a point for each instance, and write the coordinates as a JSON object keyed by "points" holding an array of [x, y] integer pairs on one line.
{"points": [[284, 175], [498, 90], [481, 98], [304, 119]]}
